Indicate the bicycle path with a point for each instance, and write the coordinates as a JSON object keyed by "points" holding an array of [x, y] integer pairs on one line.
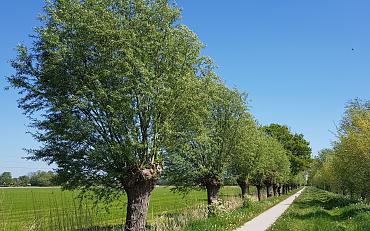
{"points": [[263, 221]]}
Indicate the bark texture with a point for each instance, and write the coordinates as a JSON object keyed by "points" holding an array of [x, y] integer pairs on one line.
{"points": [[274, 189], [244, 186], [212, 192], [259, 187], [268, 190], [138, 188]]}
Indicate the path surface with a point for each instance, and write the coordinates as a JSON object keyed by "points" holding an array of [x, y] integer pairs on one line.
{"points": [[267, 218]]}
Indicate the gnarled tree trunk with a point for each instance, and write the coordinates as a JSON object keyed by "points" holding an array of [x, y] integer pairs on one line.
{"points": [[212, 193], [259, 187], [139, 187], [244, 186], [274, 189], [213, 188], [268, 190], [279, 189]]}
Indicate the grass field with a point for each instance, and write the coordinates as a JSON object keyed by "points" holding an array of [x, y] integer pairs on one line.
{"points": [[54, 209], [324, 211]]}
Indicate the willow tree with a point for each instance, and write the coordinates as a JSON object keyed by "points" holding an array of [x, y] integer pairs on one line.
{"points": [[102, 82], [298, 148], [243, 161], [272, 165], [200, 157], [351, 162]]}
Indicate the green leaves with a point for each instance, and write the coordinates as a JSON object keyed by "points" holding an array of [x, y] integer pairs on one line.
{"points": [[111, 78], [345, 168], [204, 151]]}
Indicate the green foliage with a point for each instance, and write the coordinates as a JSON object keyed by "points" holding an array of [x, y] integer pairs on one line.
{"points": [[243, 160], [298, 148], [6, 179], [346, 168], [41, 178], [202, 155], [320, 210], [272, 163], [103, 83]]}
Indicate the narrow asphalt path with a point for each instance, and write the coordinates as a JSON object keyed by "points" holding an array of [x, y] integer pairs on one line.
{"points": [[266, 219]]}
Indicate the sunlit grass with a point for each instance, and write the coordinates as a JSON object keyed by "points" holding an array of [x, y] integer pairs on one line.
{"points": [[320, 210], [54, 209]]}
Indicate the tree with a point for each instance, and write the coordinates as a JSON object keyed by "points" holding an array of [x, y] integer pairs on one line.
{"points": [[103, 82], [299, 149], [345, 168], [243, 161], [200, 157], [42, 178], [6, 178], [352, 150], [271, 166], [23, 180]]}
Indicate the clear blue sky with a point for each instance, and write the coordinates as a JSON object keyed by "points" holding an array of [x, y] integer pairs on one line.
{"points": [[294, 58]]}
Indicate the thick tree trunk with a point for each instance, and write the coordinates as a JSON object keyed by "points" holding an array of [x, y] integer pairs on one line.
{"points": [[244, 186], [139, 187], [259, 192], [212, 192], [213, 189], [274, 189], [268, 190], [279, 189], [137, 206]]}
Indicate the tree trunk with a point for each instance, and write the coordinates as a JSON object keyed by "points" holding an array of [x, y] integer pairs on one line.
{"points": [[285, 189], [212, 192], [279, 189], [139, 187], [268, 190], [244, 186], [213, 188], [259, 192], [274, 189]]}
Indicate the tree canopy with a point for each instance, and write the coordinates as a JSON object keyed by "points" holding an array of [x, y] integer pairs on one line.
{"points": [[298, 148], [346, 167], [103, 82]]}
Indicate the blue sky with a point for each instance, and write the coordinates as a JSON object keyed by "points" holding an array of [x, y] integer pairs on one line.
{"points": [[299, 61]]}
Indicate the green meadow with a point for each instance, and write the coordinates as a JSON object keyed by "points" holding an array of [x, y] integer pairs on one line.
{"points": [[54, 209]]}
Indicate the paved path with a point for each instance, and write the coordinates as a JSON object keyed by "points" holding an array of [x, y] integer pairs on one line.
{"points": [[267, 218]]}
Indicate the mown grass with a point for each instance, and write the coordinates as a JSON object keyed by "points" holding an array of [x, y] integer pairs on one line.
{"points": [[236, 218], [54, 209], [320, 210]]}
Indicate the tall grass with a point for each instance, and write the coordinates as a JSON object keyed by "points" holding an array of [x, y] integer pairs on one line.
{"points": [[49, 209]]}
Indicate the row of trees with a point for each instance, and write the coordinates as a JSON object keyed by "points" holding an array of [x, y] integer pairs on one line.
{"points": [[346, 167], [120, 97], [38, 178]]}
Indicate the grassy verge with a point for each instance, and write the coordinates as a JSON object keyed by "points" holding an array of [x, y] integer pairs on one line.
{"points": [[321, 210], [235, 218]]}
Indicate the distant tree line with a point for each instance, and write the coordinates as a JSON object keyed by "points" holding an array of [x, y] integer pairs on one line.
{"points": [[345, 168], [38, 178]]}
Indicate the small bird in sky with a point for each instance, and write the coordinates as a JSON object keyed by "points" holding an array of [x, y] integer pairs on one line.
{"points": [[353, 49]]}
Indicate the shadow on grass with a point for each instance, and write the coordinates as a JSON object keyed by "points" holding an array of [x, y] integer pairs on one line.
{"points": [[325, 203], [99, 228]]}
